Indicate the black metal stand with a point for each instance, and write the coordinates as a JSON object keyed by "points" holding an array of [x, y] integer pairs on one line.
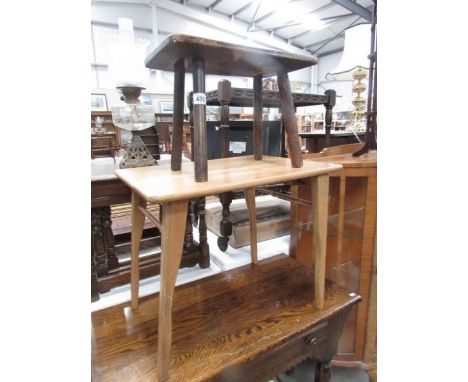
{"points": [[371, 126]]}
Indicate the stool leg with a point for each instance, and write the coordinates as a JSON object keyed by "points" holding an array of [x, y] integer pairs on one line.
{"points": [[138, 222], [289, 119], [320, 213], [173, 229], [250, 199], [200, 139], [257, 122], [202, 230], [178, 118], [224, 98], [225, 225]]}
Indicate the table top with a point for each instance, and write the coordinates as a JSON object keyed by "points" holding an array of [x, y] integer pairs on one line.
{"points": [[223, 58], [347, 160], [335, 133], [103, 169], [219, 325], [159, 184]]}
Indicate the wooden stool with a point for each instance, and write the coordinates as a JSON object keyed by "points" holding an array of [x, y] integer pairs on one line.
{"points": [[181, 53], [226, 96]]}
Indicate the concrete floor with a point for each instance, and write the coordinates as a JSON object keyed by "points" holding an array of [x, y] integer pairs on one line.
{"points": [[305, 373]]}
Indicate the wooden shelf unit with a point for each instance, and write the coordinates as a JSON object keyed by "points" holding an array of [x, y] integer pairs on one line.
{"points": [[100, 145]]}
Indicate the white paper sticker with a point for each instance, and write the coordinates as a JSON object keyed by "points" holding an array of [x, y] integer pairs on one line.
{"points": [[199, 98], [237, 147]]}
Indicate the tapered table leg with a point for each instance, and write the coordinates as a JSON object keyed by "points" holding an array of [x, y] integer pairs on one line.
{"points": [[289, 119], [178, 118], [138, 222], [174, 219], [320, 214], [250, 199]]}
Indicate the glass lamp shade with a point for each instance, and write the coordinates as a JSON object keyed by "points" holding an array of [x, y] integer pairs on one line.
{"points": [[356, 50], [133, 117], [126, 57]]}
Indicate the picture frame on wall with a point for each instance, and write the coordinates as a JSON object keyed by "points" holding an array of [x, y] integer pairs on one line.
{"points": [[98, 102], [166, 106], [146, 99]]}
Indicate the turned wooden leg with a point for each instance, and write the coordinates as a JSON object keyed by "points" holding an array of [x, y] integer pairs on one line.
{"points": [[329, 115], [193, 212], [250, 199], [320, 212], [225, 225], [173, 228], [224, 98], [289, 119], [322, 372], [200, 139], [203, 240], [178, 118], [257, 117], [112, 260], [138, 222], [98, 243], [94, 285]]}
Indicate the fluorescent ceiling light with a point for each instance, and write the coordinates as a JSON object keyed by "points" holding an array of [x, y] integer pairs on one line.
{"points": [[294, 12]]}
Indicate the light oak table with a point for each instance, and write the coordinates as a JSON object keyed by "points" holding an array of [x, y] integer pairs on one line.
{"points": [[172, 190]]}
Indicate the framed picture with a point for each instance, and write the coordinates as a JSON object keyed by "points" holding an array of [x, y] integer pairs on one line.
{"points": [[166, 106], [98, 102], [146, 99]]}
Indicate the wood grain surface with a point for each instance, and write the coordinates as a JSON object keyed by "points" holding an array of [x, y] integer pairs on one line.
{"points": [[159, 184], [224, 58], [347, 160], [219, 324]]}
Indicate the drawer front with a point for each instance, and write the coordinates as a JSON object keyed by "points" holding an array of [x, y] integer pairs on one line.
{"points": [[313, 343]]}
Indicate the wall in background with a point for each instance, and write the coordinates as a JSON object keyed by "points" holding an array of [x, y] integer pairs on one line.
{"points": [[104, 19]]}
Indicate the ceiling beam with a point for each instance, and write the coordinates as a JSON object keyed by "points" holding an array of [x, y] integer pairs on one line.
{"points": [[214, 4], [242, 9], [293, 24], [323, 41], [330, 52], [205, 18], [337, 35], [146, 3], [354, 7], [292, 38]]}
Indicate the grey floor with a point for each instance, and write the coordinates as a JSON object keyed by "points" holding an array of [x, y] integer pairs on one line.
{"points": [[305, 373]]}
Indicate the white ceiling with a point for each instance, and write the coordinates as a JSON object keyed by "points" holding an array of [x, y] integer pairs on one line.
{"points": [[314, 25], [264, 15]]}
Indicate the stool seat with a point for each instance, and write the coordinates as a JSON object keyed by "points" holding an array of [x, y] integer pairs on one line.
{"points": [[223, 58]]}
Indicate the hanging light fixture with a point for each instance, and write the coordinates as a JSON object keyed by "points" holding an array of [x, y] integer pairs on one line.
{"points": [[354, 66], [127, 70]]}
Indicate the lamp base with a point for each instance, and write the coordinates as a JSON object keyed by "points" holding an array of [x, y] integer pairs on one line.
{"points": [[137, 155]]}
